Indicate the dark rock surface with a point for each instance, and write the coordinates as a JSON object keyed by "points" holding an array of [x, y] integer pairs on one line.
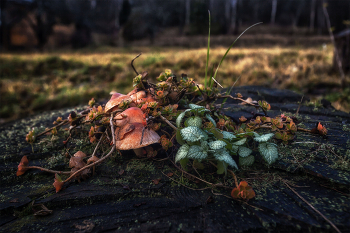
{"points": [[316, 167]]}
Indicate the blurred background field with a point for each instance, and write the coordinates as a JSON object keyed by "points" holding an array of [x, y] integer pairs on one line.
{"points": [[72, 59]]}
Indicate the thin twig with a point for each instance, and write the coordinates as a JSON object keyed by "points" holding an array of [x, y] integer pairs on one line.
{"points": [[299, 105], [217, 82], [185, 185], [244, 202], [189, 174], [324, 217], [232, 173], [95, 150], [196, 171], [48, 170], [132, 61], [236, 98], [56, 126], [101, 159], [166, 133], [168, 122]]}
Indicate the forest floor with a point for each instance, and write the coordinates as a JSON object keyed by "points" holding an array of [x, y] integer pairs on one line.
{"points": [[33, 82]]}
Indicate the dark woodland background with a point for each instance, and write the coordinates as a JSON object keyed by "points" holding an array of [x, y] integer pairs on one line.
{"points": [[61, 53]]}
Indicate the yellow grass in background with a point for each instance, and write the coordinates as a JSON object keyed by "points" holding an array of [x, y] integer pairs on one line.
{"points": [[33, 82]]}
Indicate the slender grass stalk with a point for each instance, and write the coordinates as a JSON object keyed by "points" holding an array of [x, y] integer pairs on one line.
{"points": [[207, 63], [222, 59], [228, 92]]}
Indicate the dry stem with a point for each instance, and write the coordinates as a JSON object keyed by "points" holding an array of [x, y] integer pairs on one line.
{"points": [[48, 170], [101, 159], [168, 122], [324, 217]]}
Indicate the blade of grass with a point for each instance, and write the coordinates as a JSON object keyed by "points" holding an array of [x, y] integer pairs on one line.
{"points": [[206, 65], [229, 91], [222, 59]]}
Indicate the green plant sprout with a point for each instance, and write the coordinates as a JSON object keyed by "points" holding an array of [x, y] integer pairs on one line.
{"points": [[204, 141]]}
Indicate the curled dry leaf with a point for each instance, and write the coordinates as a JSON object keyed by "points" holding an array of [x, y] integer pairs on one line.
{"points": [[82, 174], [248, 100], [121, 172], [40, 210], [156, 181], [170, 174], [87, 226], [243, 191], [22, 167], [76, 162], [242, 119], [92, 159], [80, 154]]}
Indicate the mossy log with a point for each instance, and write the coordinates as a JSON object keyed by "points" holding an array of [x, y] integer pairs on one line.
{"points": [[123, 197]]}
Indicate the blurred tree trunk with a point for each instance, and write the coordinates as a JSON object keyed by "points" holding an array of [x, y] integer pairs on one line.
{"points": [[231, 16], [227, 15], [320, 18], [298, 13], [312, 15], [273, 11], [188, 12], [4, 40], [256, 11], [211, 5], [118, 8]]}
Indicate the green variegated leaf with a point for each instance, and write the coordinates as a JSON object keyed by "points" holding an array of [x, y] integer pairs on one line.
{"points": [[204, 145], [234, 149], [223, 155], [179, 138], [196, 152], [193, 134], [215, 132], [180, 117], [222, 167], [216, 145], [202, 110], [194, 121], [228, 135], [210, 119], [256, 134], [246, 161], [240, 142], [268, 151], [195, 106], [183, 163], [244, 151], [264, 137], [182, 152]]}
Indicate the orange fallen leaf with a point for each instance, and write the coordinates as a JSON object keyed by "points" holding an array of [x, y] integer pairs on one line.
{"points": [[321, 129], [170, 174], [243, 191], [22, 167], [58, 183], [242, 119]]}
